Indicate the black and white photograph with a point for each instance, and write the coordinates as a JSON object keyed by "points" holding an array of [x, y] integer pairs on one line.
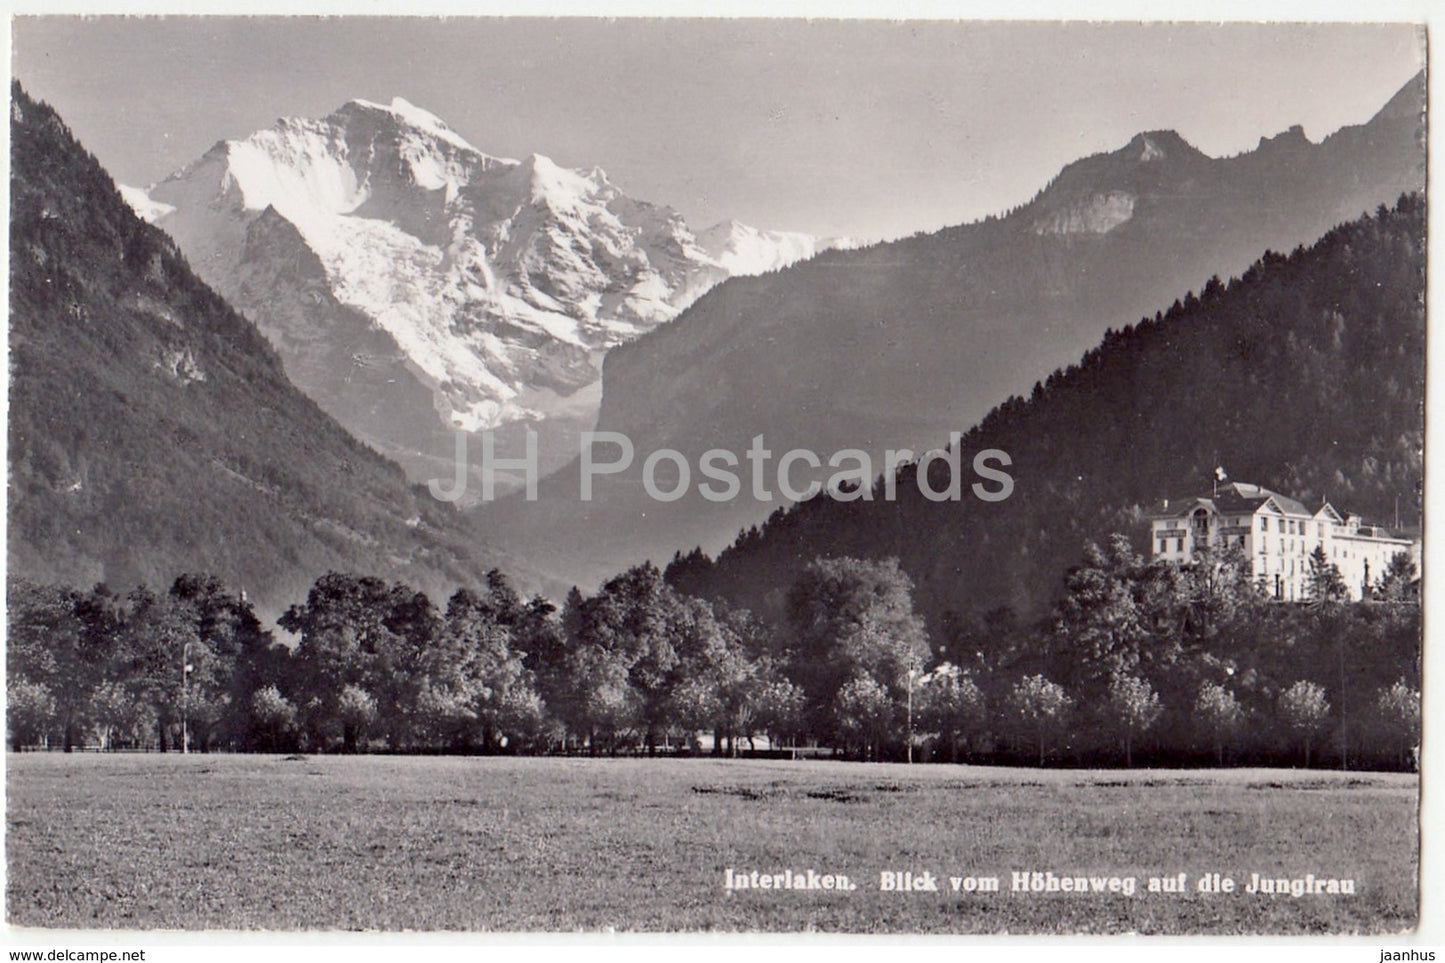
{"points": [[518, 474]]}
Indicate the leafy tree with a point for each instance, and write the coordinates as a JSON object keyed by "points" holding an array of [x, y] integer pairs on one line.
{"points": [[63, 641], [867, 715], [395, 673], [852, 618], [1216, 590], [950, 704], [1135, 706], [1219, 712], [540, 638], [549, 647], [29, 711], [274, 718], [697, 704], [1100, 618], [1041, 708], [1398, 708], [246, 656], [604, 704], [445, 712], [168, 668], [635, 619], [712, 684], [1120, 617], [363, 632], [639, 655], [342, 626], [781, 708], [519, 715], [355, 711], [118, 718], [473, 684], [1305, 711]]}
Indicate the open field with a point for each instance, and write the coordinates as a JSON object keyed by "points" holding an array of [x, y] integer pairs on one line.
{"points": [[262, 842]]}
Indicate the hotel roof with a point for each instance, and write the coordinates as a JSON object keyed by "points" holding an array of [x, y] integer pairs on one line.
{"points": [[1232, 498]]}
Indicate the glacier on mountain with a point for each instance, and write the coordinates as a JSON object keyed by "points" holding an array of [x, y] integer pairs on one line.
{"points": [[140, 202], [499, 281]]}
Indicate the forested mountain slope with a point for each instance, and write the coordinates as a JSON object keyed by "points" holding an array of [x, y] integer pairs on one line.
{"points": [[1305, 375]]}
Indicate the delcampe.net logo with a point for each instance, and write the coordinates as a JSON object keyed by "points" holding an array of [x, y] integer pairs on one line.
{"points": [[723, 475]]}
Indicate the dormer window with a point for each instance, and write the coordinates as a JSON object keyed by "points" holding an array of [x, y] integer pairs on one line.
{"points": [[1200, 523]]}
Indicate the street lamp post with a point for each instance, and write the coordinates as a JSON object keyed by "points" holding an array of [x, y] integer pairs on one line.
{"points": [[912, 671], [185, 696]]}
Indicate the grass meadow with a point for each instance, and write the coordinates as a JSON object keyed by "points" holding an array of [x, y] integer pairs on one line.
{"points": [[508, 844]]}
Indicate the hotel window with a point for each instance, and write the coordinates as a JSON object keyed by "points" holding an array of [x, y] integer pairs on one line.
{"points": [[1280, 529], [1163, 545], [1180, 546]]}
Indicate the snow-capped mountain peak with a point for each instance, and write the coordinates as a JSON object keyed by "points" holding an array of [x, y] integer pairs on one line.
{"points": [[493, 283], [565, 189], [413, 116], [741, 249]]}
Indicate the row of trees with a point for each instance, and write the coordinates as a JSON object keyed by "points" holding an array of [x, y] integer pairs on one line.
{"points": [[378, 664], [1174, 665]]}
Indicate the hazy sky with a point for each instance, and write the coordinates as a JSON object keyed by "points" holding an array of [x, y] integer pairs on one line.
{"points": [[868, 128]]}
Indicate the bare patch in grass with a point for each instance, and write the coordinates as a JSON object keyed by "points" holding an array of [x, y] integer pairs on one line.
{"points": [[1315, 785], [835, 795], [895, 787], [742, 792]]}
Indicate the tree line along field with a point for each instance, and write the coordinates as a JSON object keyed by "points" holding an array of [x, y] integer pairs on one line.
{"points": [[1140, 661], [506, 844]]}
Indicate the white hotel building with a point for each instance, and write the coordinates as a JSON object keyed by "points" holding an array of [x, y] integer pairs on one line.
{"points": [[1277, 534]]}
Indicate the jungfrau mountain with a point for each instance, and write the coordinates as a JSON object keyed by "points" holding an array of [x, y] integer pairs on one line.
{"points": [[413, 284], [899, 344]]}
